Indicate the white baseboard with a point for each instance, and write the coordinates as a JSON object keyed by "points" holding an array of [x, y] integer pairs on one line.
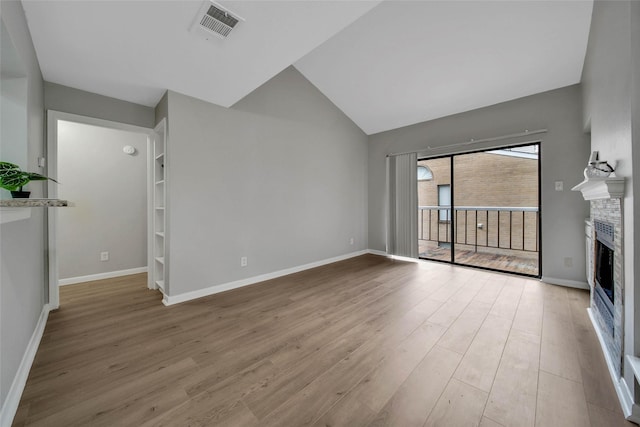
{"points": [[377, 252], [633, 363], [100, 276], [622, 389], [187, 296], [10, 405], [565, 282]]}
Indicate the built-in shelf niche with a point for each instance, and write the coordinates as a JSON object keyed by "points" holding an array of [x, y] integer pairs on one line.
{"points": [[159, 268]]}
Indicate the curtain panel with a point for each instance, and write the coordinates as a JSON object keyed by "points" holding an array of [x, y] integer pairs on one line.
{"points": [[402, 205]]}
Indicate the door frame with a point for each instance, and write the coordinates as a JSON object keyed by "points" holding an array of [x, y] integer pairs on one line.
{"points": [[452, 231], [53, 117]]}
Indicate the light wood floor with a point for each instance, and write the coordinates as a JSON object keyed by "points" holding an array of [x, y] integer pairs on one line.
{"points": [[367, 341]]}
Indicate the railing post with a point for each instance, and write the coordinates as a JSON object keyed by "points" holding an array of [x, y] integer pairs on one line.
{"points": [[510, 229], [486, 231], [446, 223], [475, 249], [466, 220], [498, 246], [537, 219], [523, 231]]}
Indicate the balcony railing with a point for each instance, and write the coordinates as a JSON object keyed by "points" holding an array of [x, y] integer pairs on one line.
{"points": [[510, 228]]}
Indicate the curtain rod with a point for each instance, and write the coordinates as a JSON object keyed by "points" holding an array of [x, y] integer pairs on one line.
{"points": [[474, 141]]}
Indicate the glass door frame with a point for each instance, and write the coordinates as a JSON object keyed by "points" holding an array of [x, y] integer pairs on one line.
{"points": [[452, 227]]}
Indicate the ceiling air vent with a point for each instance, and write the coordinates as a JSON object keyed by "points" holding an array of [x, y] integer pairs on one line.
{"points": [[213, 19]]}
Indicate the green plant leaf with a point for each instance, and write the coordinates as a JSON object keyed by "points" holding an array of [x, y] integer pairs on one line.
{"points": [[14, 182], [7, 168], [12, 178], [7, 165], [37, 177]]}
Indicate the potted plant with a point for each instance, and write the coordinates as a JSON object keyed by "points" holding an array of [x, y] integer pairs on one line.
{"points": [[12, 178]]}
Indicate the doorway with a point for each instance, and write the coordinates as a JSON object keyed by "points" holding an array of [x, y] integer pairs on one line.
{"points": [[482, 209], [105, 232]]}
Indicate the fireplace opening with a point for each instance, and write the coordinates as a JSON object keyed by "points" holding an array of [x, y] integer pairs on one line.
{"points": [[604, 269], [604, 257], [604, 294]]}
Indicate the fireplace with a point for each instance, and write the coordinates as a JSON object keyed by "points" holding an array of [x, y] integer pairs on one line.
{"points": [[607, 301], [604, 265], [605, 257]]}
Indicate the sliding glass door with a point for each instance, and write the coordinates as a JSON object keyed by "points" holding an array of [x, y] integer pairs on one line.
{"points": [[482, 209]]}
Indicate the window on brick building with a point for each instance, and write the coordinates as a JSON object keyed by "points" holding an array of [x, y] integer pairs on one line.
{"points": [[444, 202], [424, 173]]}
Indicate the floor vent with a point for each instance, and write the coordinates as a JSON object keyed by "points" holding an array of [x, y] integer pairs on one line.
{"points": [[213, 19]]}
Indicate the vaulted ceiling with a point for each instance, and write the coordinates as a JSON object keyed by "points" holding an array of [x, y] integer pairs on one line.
{"points": [[384, 64]]}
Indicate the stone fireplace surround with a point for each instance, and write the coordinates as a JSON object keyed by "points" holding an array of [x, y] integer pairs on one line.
{"points": [[610, 211]]}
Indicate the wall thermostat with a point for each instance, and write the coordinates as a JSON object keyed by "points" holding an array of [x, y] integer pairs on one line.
{"points": [[128, 149]]}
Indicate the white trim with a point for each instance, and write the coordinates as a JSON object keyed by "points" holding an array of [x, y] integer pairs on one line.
{"points": [[52, 214], [377, 252], [595, 188], [52, 190], [100, 276], [622, 389], [77, 118], [150, 218], [188, 296], [564, 282], [159, 135], [12, 400], [403, 258]]}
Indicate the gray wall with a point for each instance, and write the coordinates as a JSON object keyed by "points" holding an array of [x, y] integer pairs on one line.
{"points": [[162, 109], [22, 249], [280, 178], [109, 193], [76, 101], [13, 120], [564, 153], [611, 94]]}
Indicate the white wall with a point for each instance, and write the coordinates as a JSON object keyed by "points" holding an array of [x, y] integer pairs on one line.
{"points": [[108, 189], [280, 178], [22, 244], [70, 100], [611, 81], [564, 154]]}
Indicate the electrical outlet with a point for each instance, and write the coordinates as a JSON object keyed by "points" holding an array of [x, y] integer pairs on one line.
{"points": [[568, 262], [352, 241], [104, 256], [559, 185], [243, 261]]}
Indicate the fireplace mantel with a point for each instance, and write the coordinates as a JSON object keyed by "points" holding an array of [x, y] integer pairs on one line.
{"points": [[598, 188]]}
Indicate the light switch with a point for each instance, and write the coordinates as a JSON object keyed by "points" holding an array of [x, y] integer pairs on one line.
{"points": [[559, 185]]}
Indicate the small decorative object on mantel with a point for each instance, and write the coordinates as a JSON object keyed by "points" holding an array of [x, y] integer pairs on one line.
{"points": [[597, 168], [12, 178]]}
